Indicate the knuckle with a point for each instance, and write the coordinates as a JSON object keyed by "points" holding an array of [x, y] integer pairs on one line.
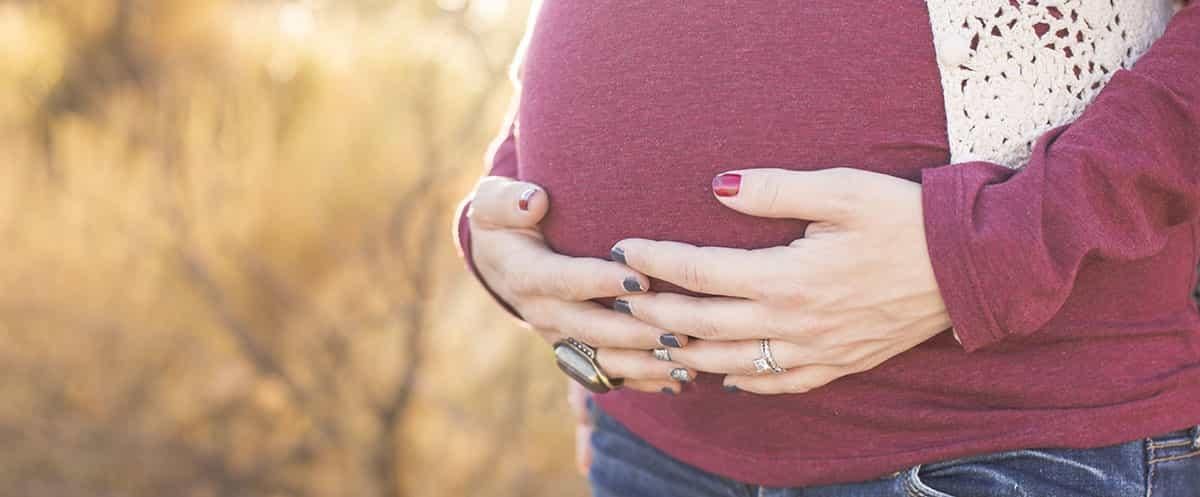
{"points": [[704, 327], [691, 275], [771, 192]]}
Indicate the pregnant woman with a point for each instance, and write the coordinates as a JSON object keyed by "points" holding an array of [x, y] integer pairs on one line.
{"points": [[832, 248]]}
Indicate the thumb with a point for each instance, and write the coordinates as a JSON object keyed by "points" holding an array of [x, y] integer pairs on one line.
{"points": [[508, 203], [823, 195]]}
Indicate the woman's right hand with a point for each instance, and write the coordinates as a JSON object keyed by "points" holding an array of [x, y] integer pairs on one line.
{"points": [[553, 292]]}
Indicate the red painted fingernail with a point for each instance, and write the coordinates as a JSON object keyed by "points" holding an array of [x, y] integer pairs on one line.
{"points": [[727, 185], [523, 203]]}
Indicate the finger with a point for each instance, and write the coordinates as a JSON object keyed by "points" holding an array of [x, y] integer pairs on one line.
{"points": [[528, 268], [738, 357], [821, 195], [670, 388], [734, 357], [630, 364], [584, 278], [599, 326], [507, 203], [798, 380], [712, 270], [708, 318]]}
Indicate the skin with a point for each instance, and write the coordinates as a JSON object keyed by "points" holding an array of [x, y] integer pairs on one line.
{"points": [[857, 289], [552, 292]]}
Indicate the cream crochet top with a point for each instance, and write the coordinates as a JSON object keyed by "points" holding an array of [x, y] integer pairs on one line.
{"points": [[1013, 69]]}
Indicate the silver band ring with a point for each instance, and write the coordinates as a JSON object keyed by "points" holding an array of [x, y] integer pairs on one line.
{"points": [[766, 362], [662, 354]]}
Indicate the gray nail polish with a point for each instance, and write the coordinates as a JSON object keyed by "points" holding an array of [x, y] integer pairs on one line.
{"points": [[681, 375], [632, 284], [669, 340], [668, 391], [617, 254], [731, 388], [622, 306]]}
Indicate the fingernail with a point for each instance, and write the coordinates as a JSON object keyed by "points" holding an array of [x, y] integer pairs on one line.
{"points": [[731, 388], [526, 196], [632, 284], [622, 306], [669, 340], [668, 391], [617, 254], [681, 375], [727, 185]]}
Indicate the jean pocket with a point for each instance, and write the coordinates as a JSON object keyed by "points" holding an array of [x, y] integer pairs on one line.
{"points": [[1173, 446], [1173, 464], [1114, 471], [914, 486]]}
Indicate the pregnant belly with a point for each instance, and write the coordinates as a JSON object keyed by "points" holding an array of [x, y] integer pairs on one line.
{"points": [[628, 110]]}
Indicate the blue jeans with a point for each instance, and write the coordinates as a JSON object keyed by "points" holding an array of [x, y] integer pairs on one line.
{"points": [[1168, 465]]}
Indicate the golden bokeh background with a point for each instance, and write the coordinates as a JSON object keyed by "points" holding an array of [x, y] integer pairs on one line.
{"points": [[227, 266]]}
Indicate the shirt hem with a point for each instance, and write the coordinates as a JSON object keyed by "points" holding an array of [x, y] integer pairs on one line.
{"points": [[1173, 411]]}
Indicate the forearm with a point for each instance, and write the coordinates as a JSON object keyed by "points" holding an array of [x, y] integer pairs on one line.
{"points": [[1008, 246]]}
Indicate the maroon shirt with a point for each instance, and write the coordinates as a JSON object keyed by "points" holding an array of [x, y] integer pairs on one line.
{"points": [[1068, 281]]}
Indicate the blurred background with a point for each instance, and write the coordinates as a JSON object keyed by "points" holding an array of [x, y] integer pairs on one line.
{"points": [[226, 265]]}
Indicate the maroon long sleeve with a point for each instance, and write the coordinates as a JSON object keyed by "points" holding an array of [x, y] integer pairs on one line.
{"points": [[1009, 249], [1070, 280]]}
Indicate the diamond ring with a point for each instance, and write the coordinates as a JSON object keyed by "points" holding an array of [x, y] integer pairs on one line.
{"points": [[766, 362]]}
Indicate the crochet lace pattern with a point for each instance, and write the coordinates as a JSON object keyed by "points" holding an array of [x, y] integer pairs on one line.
{"points": [[1013, 69]]}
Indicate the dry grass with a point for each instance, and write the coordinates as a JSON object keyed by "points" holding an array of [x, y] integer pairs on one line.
{"points": [[226, 266]]}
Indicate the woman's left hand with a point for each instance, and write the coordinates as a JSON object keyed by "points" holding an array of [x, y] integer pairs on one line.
{"points": [[856, 290]]}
